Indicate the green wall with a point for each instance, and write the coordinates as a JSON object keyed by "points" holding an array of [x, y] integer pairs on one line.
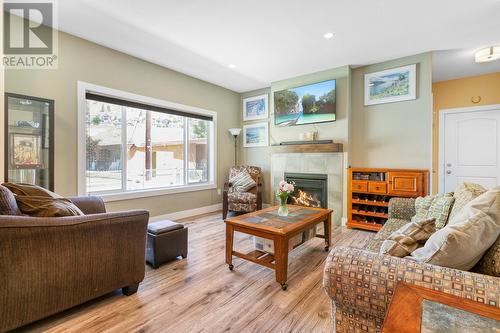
{"points": [[393, 135], [81, 60]]}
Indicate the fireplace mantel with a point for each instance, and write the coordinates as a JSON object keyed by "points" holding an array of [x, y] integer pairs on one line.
{"points": [[309, 148]]}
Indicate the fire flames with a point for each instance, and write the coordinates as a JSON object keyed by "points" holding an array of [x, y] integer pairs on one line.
{"points": [[305, 199]]}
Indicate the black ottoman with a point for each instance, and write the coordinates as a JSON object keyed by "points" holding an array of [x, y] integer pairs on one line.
{"points": [[167, 240]]}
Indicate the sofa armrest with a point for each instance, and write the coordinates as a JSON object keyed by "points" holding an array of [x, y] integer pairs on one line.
{"points": [[89, 205], [366, 281], [402, 208]]}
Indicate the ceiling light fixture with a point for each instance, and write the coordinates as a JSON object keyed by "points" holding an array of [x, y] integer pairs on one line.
{"points": [[232, 66], [488, 54], [328, 35]]}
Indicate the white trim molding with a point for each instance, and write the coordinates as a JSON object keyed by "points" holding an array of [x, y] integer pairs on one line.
{"points": [[83, 88], [187, 213], [441, 153]]}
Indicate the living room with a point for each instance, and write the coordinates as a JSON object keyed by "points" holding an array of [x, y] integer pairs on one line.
{"points": [[250, 171]]}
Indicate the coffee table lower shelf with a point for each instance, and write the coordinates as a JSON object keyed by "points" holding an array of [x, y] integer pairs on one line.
{"points": [[258, 257]]}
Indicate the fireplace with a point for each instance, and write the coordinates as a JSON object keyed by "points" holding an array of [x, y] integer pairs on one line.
{"points": [[311, 190]]}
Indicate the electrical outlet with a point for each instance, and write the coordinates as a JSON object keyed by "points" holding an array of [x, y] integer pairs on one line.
{"points": [[219, 191]]}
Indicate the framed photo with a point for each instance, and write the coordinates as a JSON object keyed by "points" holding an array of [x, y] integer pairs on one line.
{"points": [[26, 151], [256, 135], [391, 85], [255, 108]]}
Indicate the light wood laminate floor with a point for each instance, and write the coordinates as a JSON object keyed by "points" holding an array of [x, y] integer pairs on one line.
{"points": [[200, 294]]}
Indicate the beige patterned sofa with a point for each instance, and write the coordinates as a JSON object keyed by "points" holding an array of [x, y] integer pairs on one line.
{"points": [[361, 283]]}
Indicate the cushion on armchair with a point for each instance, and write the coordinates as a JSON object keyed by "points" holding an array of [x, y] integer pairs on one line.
{"points": [[242, 182], [463, 242], [408, 238]]}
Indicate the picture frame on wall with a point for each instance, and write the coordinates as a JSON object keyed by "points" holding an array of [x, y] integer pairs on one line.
{"points": [[256, 135], [256, 108], [26, 151], [391, 85]]}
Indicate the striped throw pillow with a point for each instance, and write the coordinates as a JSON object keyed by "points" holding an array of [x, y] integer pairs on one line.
{"points": [[242, 182]]}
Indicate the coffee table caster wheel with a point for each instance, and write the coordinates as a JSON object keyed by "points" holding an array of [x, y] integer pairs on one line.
{"points": [[284, 286], [231, 267], [327, 248]]}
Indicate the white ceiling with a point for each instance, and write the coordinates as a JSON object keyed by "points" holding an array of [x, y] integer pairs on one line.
{"points": [[454, 64], [273, 40]]}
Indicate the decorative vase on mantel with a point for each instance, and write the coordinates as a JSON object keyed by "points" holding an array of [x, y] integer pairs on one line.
{"points": [[282, 193]]}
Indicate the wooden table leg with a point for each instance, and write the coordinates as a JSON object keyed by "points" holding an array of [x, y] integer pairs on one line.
{"points": [[281, 260], [229, 245], [327, 226]]}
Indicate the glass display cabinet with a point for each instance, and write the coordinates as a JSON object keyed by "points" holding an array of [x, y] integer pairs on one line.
{"points": [[29, 140]]}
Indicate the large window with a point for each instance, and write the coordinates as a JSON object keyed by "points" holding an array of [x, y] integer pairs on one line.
{"points": [[133, 146]]}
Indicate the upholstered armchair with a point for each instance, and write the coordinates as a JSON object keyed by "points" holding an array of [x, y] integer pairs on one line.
{"points": [[243, 202]]}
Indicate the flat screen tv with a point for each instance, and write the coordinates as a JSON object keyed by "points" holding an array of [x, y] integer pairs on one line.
{"points": [[310, 104]]}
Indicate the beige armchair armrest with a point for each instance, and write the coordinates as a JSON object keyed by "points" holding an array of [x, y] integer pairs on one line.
{"points": [[365, 281]]}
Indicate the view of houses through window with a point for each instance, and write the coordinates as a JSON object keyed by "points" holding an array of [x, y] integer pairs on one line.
{"points": [[131, 149]]}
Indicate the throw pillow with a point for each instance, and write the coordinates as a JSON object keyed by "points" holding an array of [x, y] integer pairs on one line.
{"points": [[462, 243], [434, 206], [42, 206], [242, 182], [490, 262], [8, 205], [30, 190], [407, 239], [464, 193]]}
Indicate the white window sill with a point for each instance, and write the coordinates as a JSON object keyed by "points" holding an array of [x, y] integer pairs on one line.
{"points": [[108, 197]]}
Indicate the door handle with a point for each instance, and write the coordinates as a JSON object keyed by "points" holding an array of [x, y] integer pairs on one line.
{"points": [[448, 172]]}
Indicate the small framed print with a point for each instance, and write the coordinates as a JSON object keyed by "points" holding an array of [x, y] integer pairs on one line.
{"points": [[255, 108], [391, 85], [26, 151], [256, 135]]}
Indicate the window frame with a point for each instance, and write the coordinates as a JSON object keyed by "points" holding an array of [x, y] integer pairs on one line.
{"points": [[84, 87]]}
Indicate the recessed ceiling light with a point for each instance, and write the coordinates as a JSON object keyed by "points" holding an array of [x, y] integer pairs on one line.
{"points": [[232, 66], [328, 35]]}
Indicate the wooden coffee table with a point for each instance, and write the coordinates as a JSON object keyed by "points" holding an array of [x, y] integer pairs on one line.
{"points": [[267, 224]]}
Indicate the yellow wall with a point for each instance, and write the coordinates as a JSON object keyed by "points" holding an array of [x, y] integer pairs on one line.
{"points": [[456, 94]]}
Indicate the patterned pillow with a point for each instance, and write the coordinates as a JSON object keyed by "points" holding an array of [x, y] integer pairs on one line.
{"points": [[408, 238], [490, 262], [8, 205], [434, 206], [242, 182], [464, 193]]}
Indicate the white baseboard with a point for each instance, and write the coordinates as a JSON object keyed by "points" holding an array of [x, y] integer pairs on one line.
{"points": [[187, 213], [344, 221]]}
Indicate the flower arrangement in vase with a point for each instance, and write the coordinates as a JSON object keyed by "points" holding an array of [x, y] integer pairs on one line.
{"points": [[282, 193]]}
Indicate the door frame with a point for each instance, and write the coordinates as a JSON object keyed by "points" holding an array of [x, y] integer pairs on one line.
{"points": [[442, 114]]}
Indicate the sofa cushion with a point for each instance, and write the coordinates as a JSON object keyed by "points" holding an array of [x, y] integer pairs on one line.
{"points": [[408, 238], [465, 239], [30, 190], [41, 206], [464, 193], [434, 206], [490, 262], [8, 205], [242, 182], [390, 226]]}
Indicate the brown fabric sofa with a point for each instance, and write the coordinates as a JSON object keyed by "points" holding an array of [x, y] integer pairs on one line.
{"points": [[51, 264], [361, 282]]}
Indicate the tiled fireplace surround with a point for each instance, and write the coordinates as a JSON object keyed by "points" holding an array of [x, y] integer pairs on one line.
{"points": [[331, 164]]}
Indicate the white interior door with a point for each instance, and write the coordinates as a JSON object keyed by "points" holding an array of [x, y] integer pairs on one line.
{"points": [[470, 148]]}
